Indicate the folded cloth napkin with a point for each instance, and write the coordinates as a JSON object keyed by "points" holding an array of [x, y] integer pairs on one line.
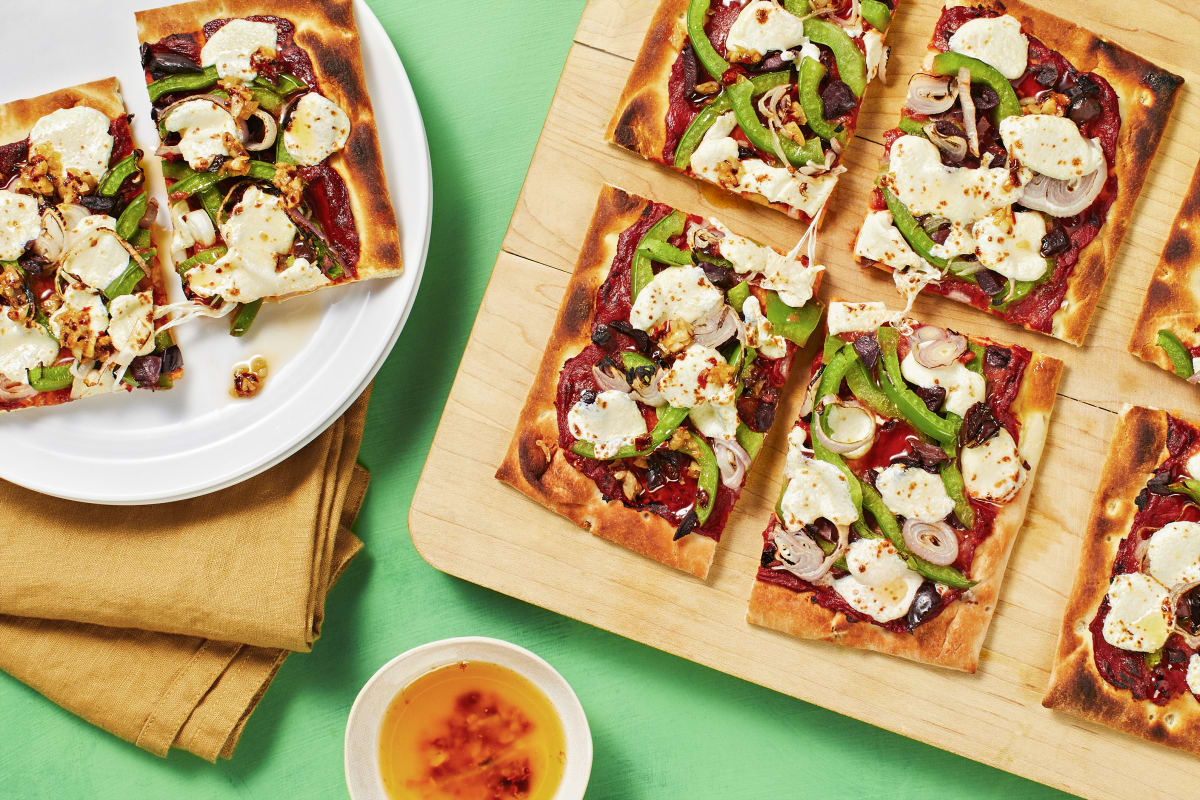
{"points": [[165, 624]]}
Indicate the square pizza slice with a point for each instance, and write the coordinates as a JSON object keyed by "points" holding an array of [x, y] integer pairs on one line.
{"points": [[906, 482], [757, 96], [269, 149], [1129, 649], [661, 378], [80, 290], [1011, 178], [1167, 332]]}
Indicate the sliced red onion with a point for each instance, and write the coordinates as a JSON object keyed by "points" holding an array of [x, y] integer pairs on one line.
{"points": [[270, 131], [717, 328], [806, 405], [12, 390], [940, 352], [1063, 198], [808, 561], [1177, 592], [52, 241], [935, 542], [733, 460], [610, 383], [1195, 378], [168, 150], [968, 108], [834, 445], [953, 146], [927, 333], [930, 94]]}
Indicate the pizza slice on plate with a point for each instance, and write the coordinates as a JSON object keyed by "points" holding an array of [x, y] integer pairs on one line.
{"points": [[1011, 178], [757, 96], [661, 378], [1129, 650], [1168, 331], [906, 482], [269, 149], [79, 284]]}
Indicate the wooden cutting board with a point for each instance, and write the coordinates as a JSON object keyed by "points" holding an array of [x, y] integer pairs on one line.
{"points": [[466, 523]]}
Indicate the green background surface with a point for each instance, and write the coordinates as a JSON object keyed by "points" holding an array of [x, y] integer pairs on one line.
{"points": [[484, 74]]}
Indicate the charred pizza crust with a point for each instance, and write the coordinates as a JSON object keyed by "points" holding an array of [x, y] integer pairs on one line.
{"points": [[327, 32], [1173, 298], [1138, 446], [1147, 95], [953, 638]]}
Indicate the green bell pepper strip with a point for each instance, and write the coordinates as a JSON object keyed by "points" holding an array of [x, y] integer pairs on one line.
{"points": [[1154, 658], [1190, 487], [203, 257], [193, 183], [267, 99], [911, 405], [876, 13], [126, 282], [794, 324], [976, 364], [952, 479], [210, 198], [947, 575], [162, 341], [1181, 359], [801, 8], [832, 345], [864, 388], [176, 170], [706, 54], [831, 383], [851, 63], [1019, 290], [182, 82], [738, 295], [282, 156], [141, 240], [243, 318], [912, 231], [709, 477], [633, 360], [642, 270], [667, 253], [912, 127], [51, 379], [262, 171], [751, 441], [950, 63], [116, 177], [669, 418], [811, 74], [285, 85], [127, 223], [720, 105], [741, 98]]}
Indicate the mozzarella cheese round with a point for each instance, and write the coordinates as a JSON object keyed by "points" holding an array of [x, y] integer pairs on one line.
{"points": [[880, 584], [960, 194], [996, 41], [690, 380], [857, 317], [959, 241], [874, 562], [79, 321], [95, 253], [20, 223], [758, 331], [880, 240], [993, 470], [131, 325], [716, 421], [206, 131], [913, 493], [964, 388], [786, 275], [764, 26], [1010, 244], [1193, 674], [1193, 464], [24, 345], [1051, 145], [815, 490], [230, 49], [610, 423], [257, 232], [675, 293], [1173, 554], [1139, 617], [317, 129], [80, 138]]}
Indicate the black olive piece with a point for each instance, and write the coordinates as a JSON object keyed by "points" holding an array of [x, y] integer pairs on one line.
{"points": [[167, 62], [745, 152], [641, 339], [924, 604], [768, 555], [641, 376], [1083, 108], [941, 234], [933, 397], [588, 396], [978, 426], [689, 524], [1084, 85], [98, 204], [948, 127], [773, 62], [690, 69], [997, 356], [1046, 75], [1054, 242], [838, 99], [984, 96], [718, 276], [1158, 483], [32, 263], [655, 480], [146, 369], [217, 161], [1175, 656], [990, 283], [668, 462], [601, 335], [929, 455], [172, 359], [867, 347], [824, 528], [764, 415], [1142, 498]]}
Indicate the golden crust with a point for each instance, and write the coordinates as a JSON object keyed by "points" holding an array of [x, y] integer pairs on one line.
{"points": [[18, 116], [1147, 94], [954, 638], [1173, 298], [1138, 446], [327, 32]]}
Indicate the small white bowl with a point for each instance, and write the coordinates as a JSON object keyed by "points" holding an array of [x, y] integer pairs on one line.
{"points": [[363, 777]]}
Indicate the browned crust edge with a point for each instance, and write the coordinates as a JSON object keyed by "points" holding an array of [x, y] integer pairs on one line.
{"points": [[1147, 94], [955, 637], [1138, 446], [327, 31]]}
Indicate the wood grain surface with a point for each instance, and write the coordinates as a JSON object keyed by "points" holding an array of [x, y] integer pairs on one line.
{"points": [[466, 523]]}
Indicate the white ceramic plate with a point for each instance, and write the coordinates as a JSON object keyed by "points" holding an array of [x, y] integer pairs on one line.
{"points": [[366, 716], [322, 349]]}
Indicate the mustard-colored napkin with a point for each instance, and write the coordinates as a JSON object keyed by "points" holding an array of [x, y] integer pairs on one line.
{"points": [[165, 624]]}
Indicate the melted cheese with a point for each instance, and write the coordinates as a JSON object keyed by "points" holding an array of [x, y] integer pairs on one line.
{"points": [[1010, 244], [880, 584], [675, 293], [690, 380], [993, 470], [131, 325], [610, 423], [1193, 464], [785, 274], [880, 240], [964, 388], [762, 27], [1173, 554], [1051, 145], [23, 346], [257, 232], [758, 331], [20, 223], [960, 194], [857, 317], [1138, 618], [230, 49], [1193, 674], [93, 382], [79, 138], [206, 131], [79, 321], [318, 129], [815, 490], [716, 421], [96, 255], [913, 493], [997, 41], [959, 241]]}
